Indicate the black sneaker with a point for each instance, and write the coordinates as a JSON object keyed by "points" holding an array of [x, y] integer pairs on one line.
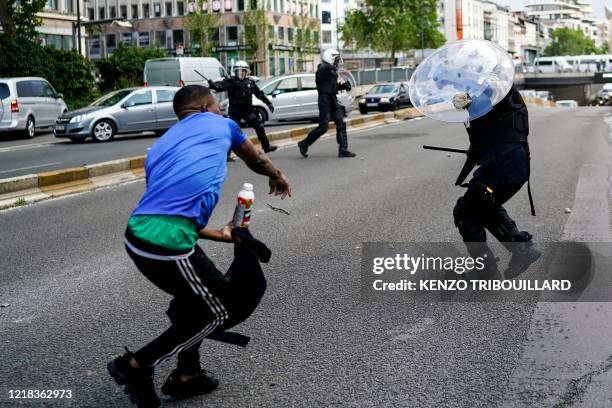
{"points": [[303, 149], [202, 383], [523, 255], [270, 148], [346, 153], [137, 382]]}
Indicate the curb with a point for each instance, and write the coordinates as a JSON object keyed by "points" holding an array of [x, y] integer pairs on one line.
{"points": [[30, 188]]}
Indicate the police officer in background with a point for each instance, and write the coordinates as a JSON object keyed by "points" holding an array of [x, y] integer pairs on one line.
{"points": [[240, 89], [498, 145], [328, 87]]}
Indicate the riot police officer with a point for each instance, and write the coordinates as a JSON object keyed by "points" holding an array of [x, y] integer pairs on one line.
{"points": [[240, 89], [328, 87], [499, 146]]}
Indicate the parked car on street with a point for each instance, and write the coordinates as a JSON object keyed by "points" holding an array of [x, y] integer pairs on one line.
{"points": [[385, 97], [294, 97], [567, 103], [28, 104], [130, 110]]}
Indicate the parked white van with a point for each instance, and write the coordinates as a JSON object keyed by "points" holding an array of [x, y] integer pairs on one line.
{"points": [[182, 71]]}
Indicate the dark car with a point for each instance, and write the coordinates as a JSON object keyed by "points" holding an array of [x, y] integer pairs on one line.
{"points": [[385, 97]]}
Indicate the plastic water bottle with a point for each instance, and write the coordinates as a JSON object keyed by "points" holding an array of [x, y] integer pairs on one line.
{"points": [[244, 204]]}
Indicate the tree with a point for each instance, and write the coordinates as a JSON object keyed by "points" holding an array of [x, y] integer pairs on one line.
{"points": [[19, 18], [391, 26], [125, 67], [255, 36], [305, 38], [565, 41], [201, 25]]}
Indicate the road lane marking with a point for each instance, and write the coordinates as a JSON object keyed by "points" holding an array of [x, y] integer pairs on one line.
{"points": [[30, 167], [26, 147]]}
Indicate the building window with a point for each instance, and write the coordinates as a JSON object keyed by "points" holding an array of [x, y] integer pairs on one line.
{"points": [[271, 33], [160, 39], [281, 35], [143, 39], [112, 12], [240, 5], [52, 4], [145, 11], [272, 67], [168, 8], [177, 37], [290, 35], [134, 11], [123, 11], [111, 41], [91, 14], [231, 34], [101, 15], [180, 8], [69, 6], [327, 37], [126, 38], [326, 17], [157, 9]]}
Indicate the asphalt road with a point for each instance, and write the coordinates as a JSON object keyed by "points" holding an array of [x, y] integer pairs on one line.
{"points": [[76, 299], [45, 152]]}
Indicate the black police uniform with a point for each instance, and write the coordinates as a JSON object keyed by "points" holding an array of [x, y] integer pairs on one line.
{"points": [[328, 87], [498, 144], [240, 92]]}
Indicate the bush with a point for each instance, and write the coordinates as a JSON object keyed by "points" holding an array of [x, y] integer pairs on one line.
{"points": [[125, 67], [68, 71]]}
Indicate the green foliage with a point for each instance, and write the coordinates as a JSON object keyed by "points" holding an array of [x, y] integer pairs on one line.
{"points": [[255, 30], [20, 19], [68, 71], [125, 67], [565, 41], [393, 25], [201, 26]]}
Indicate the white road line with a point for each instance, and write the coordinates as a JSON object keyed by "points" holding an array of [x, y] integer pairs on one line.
{"points": [[26, 147], [30, 167]]}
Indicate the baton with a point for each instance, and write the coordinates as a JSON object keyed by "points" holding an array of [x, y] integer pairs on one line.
{"points": [[198, 72], [445, 149]]}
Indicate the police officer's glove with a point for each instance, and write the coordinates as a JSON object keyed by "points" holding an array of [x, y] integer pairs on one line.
{"points": [[271, 107], [211, 84], [461, 100], [347, 86]]}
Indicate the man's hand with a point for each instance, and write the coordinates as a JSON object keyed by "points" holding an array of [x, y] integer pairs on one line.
{"points": [[271, 107], [280, 186], [347, 86], [222, 235]]}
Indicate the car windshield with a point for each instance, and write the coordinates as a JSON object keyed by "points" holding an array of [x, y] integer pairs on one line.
{"points": [[379, 89], [112, 98], [265, 85]]}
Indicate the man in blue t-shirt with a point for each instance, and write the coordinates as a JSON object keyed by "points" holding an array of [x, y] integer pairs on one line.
{"points": [[185, 170]]}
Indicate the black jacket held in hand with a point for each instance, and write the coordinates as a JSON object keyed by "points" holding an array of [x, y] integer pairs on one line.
{"points": [[240, 91], [508, 122], [327, 79]]}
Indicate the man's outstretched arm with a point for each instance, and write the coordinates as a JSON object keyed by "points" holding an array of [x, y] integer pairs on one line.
{"points": [[257, 161]]}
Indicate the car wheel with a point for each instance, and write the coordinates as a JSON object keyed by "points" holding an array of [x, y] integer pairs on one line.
{"points": [[363, 111], [396, 106], [263, 116], [103, 131], [30, 129]]}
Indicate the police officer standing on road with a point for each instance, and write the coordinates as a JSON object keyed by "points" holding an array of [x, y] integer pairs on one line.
{"points": [[328, 87], [498, 145], [240, 89]]}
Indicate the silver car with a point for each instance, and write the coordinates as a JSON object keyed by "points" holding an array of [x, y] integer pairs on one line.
{"points": [[130, 110], [294, 97], [28, 104]]}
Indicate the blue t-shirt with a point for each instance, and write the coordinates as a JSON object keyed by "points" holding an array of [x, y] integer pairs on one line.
{"points": [[186, 167]]}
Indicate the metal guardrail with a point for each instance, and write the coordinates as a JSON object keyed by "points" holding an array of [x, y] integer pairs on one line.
{"points": [[376, 75]]}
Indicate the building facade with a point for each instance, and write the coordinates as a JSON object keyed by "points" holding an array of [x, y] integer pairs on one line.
{"points": [[58, 27], [162, 23]]}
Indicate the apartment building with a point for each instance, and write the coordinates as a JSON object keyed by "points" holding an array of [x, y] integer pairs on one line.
{"points": [[58, 27], [162, 23]]}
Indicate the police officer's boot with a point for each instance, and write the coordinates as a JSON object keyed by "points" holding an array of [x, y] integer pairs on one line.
{"points": [[342, 140], [523, 255], [483, 255]]}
